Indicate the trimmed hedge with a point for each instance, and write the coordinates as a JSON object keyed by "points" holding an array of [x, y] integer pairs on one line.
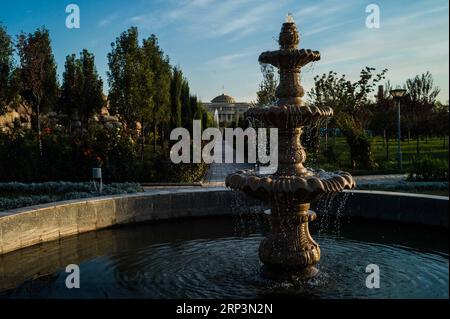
{"points": [[15, 195], [427, 168]]}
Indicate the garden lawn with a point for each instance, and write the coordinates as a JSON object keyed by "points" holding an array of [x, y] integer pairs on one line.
{"points": [[433, 148]]}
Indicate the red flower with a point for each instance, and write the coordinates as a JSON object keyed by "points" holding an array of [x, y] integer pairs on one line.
{"points": [[47, 130], [87, 152]]}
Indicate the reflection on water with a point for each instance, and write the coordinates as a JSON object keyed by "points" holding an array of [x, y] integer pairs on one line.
{"points": [[218, 258]]}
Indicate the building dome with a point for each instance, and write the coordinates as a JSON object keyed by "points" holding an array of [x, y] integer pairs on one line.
{"points": [[223, 98]]}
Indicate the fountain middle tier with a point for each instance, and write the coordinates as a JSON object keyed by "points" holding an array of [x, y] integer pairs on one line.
{"points": [[304, 189], [289, 116]]}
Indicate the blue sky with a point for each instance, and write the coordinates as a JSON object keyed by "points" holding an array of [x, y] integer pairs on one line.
{"points": [[217, 42]]}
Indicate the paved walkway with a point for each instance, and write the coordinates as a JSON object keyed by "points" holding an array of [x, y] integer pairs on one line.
{"points": [[375, 180], [217, 172]]}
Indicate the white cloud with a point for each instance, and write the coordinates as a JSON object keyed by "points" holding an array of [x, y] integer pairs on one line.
{"points": [[108, 20], [227, 61], [405, 44], [211, 18]]}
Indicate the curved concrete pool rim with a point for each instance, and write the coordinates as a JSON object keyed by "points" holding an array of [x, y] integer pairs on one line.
{"points": [[32, 225]]}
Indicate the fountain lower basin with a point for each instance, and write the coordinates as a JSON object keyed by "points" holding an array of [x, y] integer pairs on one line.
{"points": [[217, 258]]}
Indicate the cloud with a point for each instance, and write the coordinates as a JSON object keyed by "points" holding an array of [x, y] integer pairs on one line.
{"points": [[406, 44], [228, 60], [319, 11], [210, 18], [108, 20]]}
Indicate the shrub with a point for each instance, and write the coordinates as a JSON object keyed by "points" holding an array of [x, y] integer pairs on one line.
{"points": [[69, 157], [166, 171], [427, 168], [15, 195]]}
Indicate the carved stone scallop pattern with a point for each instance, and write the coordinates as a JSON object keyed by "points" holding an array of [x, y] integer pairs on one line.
{"points": [[289, 115], [306, 188]]}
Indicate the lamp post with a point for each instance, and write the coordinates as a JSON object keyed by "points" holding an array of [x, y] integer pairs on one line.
{"points": [[397, 94]]}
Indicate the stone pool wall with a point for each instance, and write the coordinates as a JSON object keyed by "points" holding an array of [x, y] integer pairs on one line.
{"points": [[32, 225]]}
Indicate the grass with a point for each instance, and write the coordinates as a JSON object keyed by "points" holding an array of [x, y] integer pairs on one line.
{"points": [[434, 147]]}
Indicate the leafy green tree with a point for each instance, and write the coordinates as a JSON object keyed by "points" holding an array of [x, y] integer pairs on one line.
{"points": [[418, 105], [196, 108], [383, 117], [161, 69], [71, 86], [186, 112], [144, 106], [92, 88], [38, 73], [440, 122], [266, 94], [6, 66], [207, 118], [124, 76], [82, 88], [350, 101], [175, 97]]}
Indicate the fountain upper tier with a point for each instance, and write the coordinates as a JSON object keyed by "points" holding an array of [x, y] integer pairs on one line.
{"points": [[289, 113], [289, 59]]}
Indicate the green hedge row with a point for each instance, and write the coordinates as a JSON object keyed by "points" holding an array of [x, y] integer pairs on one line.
{"points": [[15, 195], [427, 168]]}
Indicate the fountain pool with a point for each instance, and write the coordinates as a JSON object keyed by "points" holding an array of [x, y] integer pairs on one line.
{"points": [[218, 258]]}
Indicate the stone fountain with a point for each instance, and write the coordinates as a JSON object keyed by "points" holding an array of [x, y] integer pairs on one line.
{"points": [[289, 250]]}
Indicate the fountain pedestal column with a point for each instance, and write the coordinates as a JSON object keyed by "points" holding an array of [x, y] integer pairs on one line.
{"points": [[291, 154], [289, 248]]}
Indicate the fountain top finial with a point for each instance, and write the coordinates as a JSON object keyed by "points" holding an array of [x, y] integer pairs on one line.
{"points": [[289, 18], [289, 38]]}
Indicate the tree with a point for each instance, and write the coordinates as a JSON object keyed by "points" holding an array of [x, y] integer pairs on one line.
{"points": [[92, 88], [144, 106], [38, 73], [124, 76], [350, 102], [175, 98], [267, 87], [186, 112], [440, 122], [6, 66], [71, 86], [383, 120], [161, 86], [196, 108], [419, 103], [82, 88]]}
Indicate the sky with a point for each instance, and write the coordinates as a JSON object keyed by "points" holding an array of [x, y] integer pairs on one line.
{"points": [[217, 42]]}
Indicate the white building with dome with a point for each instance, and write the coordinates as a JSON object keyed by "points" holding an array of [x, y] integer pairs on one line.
{"points": [[227, 108]]}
